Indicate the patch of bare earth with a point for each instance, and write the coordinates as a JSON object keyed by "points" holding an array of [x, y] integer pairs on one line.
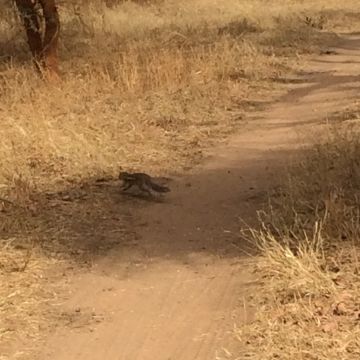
{"points": [[147, 88]]}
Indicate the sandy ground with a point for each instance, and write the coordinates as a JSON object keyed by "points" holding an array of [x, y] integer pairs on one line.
{"points": [[179, 287]]}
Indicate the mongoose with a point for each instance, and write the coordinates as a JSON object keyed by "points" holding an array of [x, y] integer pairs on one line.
{"points": [[143, 181]]}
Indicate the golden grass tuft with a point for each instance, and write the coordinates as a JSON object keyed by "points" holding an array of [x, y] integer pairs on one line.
{"points": [[301, 268]]}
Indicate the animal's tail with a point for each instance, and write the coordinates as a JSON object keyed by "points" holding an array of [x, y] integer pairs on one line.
{"points": [[159, 188]]}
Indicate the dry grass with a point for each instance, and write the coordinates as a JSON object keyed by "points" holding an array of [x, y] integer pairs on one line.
{"points": [[309, 263], [145, 84], [27, 299], [145, 87]]}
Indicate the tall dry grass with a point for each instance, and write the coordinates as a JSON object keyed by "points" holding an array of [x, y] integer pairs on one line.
{"points": [[145, 84], [309, 256]]}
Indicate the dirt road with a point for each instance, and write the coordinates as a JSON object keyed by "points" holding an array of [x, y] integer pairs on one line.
{"points": [[178, 289]]}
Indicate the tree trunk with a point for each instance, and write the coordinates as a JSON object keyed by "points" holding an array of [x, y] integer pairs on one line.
{"points": [[51, 37], [43, 46]]}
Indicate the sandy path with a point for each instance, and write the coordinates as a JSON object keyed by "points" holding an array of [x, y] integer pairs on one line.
{"points": [[178, 291]]}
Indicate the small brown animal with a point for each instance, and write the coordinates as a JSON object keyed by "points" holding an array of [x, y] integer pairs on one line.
{"points": [[143, 181]]}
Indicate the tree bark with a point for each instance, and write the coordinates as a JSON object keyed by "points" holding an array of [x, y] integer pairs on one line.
{"points": [[31, 21], [51, 36], [43, 46]]}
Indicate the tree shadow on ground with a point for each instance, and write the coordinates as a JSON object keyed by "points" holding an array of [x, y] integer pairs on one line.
{"points": [[85, 222]]}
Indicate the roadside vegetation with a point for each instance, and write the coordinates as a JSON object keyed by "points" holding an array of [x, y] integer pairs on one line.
{"points": [[309, 303]]}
